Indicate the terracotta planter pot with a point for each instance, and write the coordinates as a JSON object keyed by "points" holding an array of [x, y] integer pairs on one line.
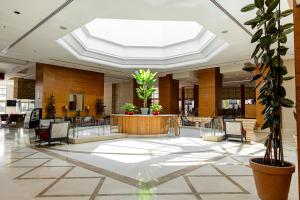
{"points": [[129, 113], [155, 113], [272, 183]]}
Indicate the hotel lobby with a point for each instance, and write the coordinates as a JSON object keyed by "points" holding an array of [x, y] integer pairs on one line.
{"points": [[149, 100]]}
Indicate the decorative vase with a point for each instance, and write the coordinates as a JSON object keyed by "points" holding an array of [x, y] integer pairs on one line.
{"points": [[144, 111], [155, 112], [126, 113], [130, 113], [272, 182]]}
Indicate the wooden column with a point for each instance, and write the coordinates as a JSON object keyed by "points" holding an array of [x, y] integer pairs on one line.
{"points": [[196, 99], [297, 72], [182, 101], [242, 94], [169, 94], [210, 92], [61, 82]]}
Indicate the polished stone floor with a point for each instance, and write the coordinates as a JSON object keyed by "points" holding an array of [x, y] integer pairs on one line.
{"points": [[174, 168]]}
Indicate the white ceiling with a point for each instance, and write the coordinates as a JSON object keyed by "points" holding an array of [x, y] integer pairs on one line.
{"points": [[143, 43], [40, 45]]}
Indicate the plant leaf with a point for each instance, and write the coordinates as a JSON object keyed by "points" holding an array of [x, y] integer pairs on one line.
{"points": [[286, 13], [287, 103], [256, 77], [257, 35], [255, 51], [259, 3], [273, 5], [248, 7], [288, 78], [249, 68], [253, 21]]}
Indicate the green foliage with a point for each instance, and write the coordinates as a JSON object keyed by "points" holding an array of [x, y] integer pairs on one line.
{"points": [[145, 81], [129, 107], [99, 106], [155, 107], [269, 70], [51, 111]]}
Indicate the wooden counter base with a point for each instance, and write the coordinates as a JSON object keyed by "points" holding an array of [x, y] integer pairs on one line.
{"points": [[144, 124]]}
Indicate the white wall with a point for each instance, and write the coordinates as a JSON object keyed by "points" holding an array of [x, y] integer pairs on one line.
{"points": [[108, 98], [288, 120], [10, 96]]}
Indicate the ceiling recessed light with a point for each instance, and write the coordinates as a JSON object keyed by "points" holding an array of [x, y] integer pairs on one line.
{"points": [[17, 12], [63, 28], [225, 31]]}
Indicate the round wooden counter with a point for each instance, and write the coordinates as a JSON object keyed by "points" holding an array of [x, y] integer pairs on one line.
{"points": [[145, 124]]}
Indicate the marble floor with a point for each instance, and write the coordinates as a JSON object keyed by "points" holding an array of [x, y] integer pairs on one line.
{"points": [[173, 168]]}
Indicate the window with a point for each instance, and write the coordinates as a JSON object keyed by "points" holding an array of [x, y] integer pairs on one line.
{"points": [[24, 105], [2, 99], [155, 96]]}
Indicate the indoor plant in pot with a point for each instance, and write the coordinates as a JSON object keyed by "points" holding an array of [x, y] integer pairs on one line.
{"points": [[272, 173], [99, 106], [145, 81], [129, 108], [156, 108], [51, 111]]}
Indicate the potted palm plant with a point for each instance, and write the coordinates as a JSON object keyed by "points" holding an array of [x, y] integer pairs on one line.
{"points": [[129, 108], [272, 173], [145, 81], [99, 106], [156, 108], [51, 110]]}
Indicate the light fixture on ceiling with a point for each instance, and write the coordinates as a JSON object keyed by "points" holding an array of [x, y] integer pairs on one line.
{"points": [[63, 28], [224, 32], [17, 12]]}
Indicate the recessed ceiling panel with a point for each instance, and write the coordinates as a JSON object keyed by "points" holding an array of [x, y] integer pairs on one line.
{"points": [[143, 43]]}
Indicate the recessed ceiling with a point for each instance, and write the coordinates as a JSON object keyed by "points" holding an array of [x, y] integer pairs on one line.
{"points": [[46, 17], [143, 43]]}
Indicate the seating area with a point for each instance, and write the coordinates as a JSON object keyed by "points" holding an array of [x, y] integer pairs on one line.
{"points": [[14, 120]]}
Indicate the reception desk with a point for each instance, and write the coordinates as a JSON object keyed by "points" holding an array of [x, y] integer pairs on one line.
{"points": [[145, 124]]}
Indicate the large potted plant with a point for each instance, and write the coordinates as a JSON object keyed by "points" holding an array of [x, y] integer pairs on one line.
{"points": [[51, 111], [156, 108], [272, 173], [99, 106], [145, 81], [129, 108]]}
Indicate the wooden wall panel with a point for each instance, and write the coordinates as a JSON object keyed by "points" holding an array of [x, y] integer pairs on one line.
{"points": [[250, 111], [169, 94], [61, 82], [210, 92], [24, 88], [297, 72]]}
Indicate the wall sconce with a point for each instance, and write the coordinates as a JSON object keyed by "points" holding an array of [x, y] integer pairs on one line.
{"points": [[87, 109], [65, 108]]}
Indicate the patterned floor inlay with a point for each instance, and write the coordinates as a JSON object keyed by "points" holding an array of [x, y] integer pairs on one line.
{"points": [[185, 168]]}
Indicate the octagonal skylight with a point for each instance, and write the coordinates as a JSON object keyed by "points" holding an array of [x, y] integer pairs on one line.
{"points": [[143, 43]]}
